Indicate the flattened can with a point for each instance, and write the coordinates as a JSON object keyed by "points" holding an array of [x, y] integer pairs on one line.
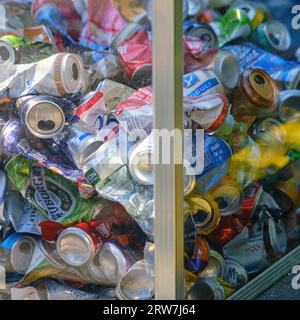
{"points": [[55, 196], [234, 273], [11, 135], [43, 116]]}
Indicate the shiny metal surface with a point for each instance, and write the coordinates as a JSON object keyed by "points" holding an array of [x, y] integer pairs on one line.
{"points": [[168, 114]]}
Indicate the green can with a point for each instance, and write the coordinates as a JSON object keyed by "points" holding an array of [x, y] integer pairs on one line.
{"points": [[16, 50], [234, 25], [57, 197]]}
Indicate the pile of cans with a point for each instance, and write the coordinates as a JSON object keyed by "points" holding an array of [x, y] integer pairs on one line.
{"points": [[77, 209]]}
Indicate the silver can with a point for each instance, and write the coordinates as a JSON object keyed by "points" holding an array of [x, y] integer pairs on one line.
{"points": [[115, 261], [136, 284], [288, 105], [75, 246], [234, 273], [215, 265], [22, 253], [42, 115]]}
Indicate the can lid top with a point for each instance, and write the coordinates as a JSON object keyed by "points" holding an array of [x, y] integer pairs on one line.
{"points": [[277, 34], [259, 87], [75, 246]]}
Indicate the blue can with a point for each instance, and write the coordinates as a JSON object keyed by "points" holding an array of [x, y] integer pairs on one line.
{"points": [[285, 73], [12, 133], [202, 31]]}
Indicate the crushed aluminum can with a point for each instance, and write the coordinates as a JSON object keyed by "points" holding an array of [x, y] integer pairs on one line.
{"points": [[229, 196], [55, 196], [202, 216], [287, 105], [43, 116], [234, 273], [79, 244], [60, 75], [115, 261], [135, 54], [23, 216], [285, 73], [21, 249], [256, 94], [274, 36], [215, 265], [136, 284], [17, 50], [210, 289]]}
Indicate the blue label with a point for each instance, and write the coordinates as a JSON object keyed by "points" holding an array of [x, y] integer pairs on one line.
{"points": [[190, 80], [85, 135], [205, 86], [10, 241]]}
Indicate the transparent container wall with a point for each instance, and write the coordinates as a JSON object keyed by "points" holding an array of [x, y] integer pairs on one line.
{"points": [[241, 208], [76, 220]]}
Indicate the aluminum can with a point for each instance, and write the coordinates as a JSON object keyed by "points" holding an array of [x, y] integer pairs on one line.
{"points": [[11, 134], [257, 12], [201, 31], [210, 289], [285, 73], [55, 196], [202, 82], [135, 54], [114, 93], [234, 25], [209, 111], [79, 244], [274, 36], [116, 261], [215, 265], [15, 50], [196, 255], [58, 291], [287, 105], [20, 248], [43, 116], [256, 94], [22, 215], [80, 143], [229, 196], [60, 75], [202, 216], [234, 273], [136, 284], [275, 239], [225, 66]]}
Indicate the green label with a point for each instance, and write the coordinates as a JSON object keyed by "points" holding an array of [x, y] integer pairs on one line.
{"points": [[57, 197], [93, 177]]}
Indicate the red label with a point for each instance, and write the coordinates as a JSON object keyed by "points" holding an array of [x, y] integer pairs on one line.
{"points": [[89, 104]]}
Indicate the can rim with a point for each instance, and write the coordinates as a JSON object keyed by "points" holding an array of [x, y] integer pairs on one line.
{"points": [[287, 40], [11, 51], [119, 258], [84, 237]]}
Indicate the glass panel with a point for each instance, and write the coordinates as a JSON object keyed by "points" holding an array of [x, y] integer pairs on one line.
{"points": [[77, 212], [241, 210]]}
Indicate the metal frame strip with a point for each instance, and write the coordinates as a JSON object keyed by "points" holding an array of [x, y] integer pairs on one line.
{"points": [[269, 277], [168, 114]]}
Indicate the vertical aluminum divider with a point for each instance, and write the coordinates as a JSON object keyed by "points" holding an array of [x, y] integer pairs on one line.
{"points": [[168, 114]]}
